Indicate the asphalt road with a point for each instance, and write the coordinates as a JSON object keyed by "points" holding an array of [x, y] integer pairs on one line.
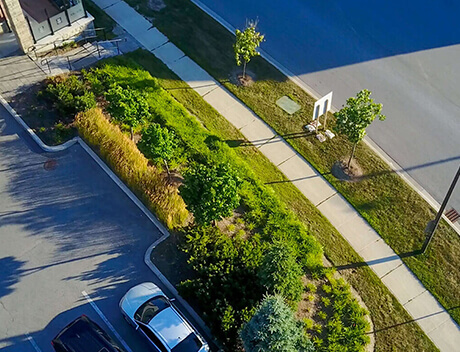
{"points": [[406, 52], [63, 232]]}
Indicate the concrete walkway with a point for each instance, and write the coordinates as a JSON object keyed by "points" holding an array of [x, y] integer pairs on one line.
{"points": [[421, 305]]}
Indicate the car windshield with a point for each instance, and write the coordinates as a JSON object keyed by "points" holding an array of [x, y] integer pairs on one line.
{"points": [[190, 344], [149, 309]]}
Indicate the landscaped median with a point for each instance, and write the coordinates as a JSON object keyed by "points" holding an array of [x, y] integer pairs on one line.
{"points": [[260, 247], [390, 206], [394, 329]]}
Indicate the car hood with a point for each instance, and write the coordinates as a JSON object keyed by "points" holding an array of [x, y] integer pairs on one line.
{"points": [[137, 296]]}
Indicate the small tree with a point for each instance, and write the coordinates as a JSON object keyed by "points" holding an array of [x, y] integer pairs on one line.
{"points": [[158, 143], [246, 45], [280, 273], [353, 119], [127, 106], [210, 192], [274, 328]]}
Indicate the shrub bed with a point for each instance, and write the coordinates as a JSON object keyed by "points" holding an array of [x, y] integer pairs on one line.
{"points": [[232, 272], [132, 167]]}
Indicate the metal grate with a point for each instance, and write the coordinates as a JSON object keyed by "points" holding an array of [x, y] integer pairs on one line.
{"points": [[452, 215]]}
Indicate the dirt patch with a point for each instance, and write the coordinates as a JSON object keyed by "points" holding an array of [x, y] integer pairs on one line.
{"points": [[236, 77], [171, 260], [341, 171], [234, 226], [156, 5], [42, 118]]}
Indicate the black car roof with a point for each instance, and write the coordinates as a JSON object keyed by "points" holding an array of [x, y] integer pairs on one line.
{"points": [[84, 335]]}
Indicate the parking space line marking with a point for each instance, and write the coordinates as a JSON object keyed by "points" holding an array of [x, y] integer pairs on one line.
{"points": [[106, 321], [33, 343]]}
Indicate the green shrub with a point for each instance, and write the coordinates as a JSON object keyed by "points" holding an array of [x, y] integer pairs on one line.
{"points": [[274, 328], [127, 106], [210, 191], [69, 95], [347, 329], [132, 167], [158, 143], [311, 287], [280, 273], [226, 285], [308, 323], [322, 315]]}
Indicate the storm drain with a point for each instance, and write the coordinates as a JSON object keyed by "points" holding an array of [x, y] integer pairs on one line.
{"points": [[50, 164], [452, 215]]}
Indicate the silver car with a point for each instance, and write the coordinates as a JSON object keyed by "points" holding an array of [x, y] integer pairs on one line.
{"points": [[149, 311]]}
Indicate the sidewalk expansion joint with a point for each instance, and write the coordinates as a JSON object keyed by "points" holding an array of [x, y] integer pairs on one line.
{"points": [[388, 273], [209, 91], [281, 163], [326, 199], [259, 145], [159, 46], [370, 244], [410, 300], [105, 8]]}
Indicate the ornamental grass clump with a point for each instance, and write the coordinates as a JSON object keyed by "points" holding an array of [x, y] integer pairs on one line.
{"points": [[132, 167]]}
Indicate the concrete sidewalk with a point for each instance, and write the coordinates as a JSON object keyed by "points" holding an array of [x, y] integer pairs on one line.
{"points": [[421, 305]]}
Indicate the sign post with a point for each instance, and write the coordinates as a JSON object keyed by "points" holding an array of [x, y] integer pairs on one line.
{"points": [[322, 106]]}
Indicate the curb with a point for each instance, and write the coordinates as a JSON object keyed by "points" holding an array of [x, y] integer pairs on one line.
{"points": [[43, 146], [131, 196], [368, 141]]}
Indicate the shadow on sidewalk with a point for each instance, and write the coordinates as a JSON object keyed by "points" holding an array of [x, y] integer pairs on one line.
{"points": [[379, 261], [410, 321]]}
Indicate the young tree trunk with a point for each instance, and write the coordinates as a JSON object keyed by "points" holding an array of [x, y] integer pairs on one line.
{"points": [[132, 132], [167, 168], [351, 156], [244, 69]]}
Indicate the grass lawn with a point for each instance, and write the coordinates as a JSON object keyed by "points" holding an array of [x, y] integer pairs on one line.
{"points": [[394, 328], [392, 208]]}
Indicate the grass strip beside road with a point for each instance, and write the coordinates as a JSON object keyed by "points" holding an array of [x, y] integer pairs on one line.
{"points": [[394, 328], [390, 205]]}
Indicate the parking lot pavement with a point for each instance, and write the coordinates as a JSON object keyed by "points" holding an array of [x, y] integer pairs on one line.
{"points": [[66, 229]]}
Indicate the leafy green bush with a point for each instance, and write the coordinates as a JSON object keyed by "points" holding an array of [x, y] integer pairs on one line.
{"points": [[226, 286], [127, 106], [69, 95], [280, 273], [132, 167], [347, 328], [274, 328], [210, 191], [158, 143], [99, 79]]}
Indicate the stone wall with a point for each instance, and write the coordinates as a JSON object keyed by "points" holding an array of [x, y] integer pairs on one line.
{"points": [[17, 21]]}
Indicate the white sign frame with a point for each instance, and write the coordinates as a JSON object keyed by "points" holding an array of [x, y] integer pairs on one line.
{"points": [[325, 103]]}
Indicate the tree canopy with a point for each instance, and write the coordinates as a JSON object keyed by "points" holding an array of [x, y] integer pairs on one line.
{"points": [[274, 328], [210, 192], [247, 42], [280, 273], [358, 113], [127, 106], [158, 143]]}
